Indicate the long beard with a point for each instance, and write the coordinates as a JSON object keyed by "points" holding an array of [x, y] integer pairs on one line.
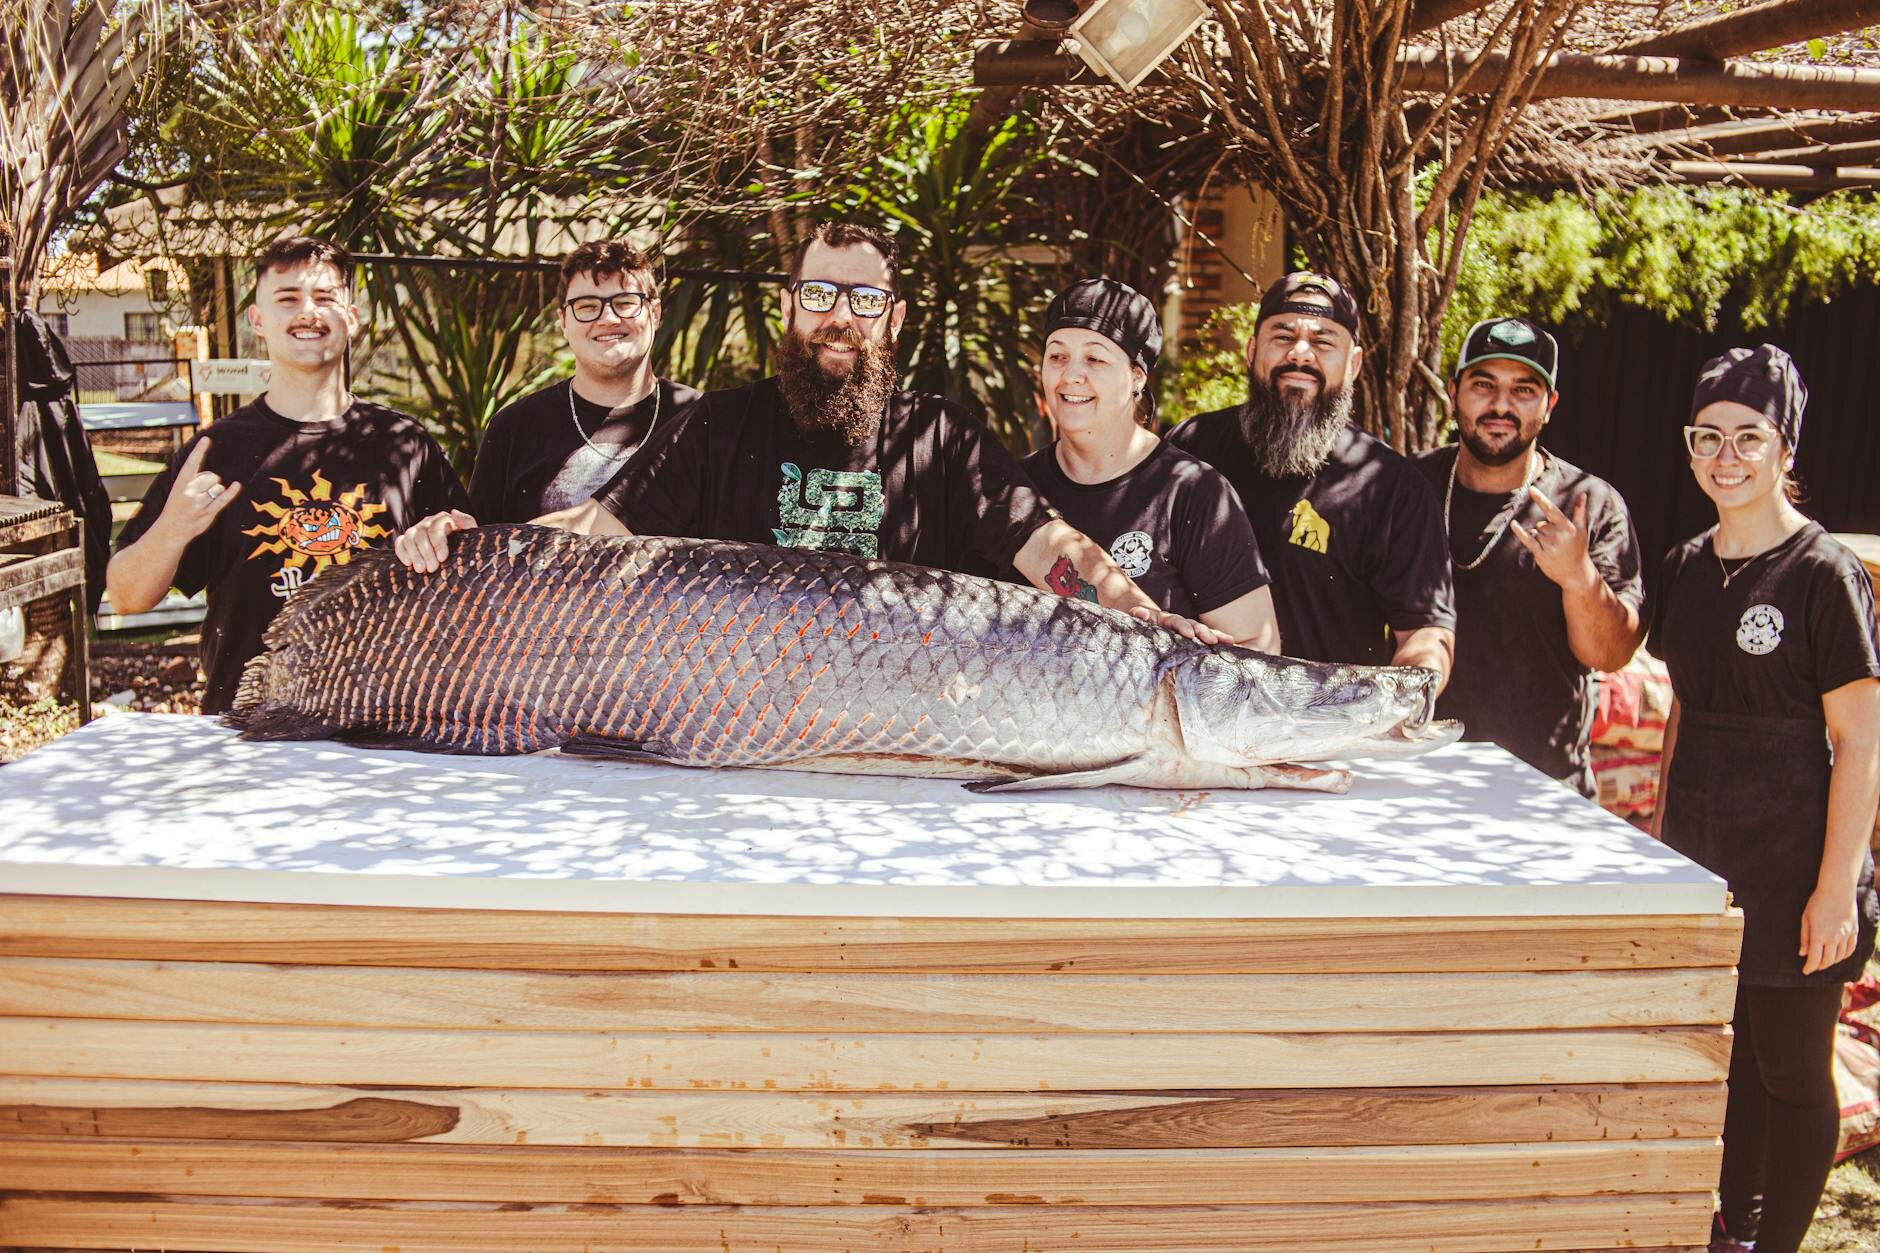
{"points": [[1289, 436], [848, 405]]}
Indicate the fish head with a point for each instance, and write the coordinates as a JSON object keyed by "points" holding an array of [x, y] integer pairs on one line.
{"points": [[1240, 707]]}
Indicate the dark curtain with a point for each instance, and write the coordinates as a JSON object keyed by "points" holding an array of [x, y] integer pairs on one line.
{"points": [[1625, 390], [55, 461]]}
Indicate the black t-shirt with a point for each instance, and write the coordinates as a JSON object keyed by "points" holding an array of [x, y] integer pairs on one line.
{"points": [[1172, 523], [1516, 681], [533, 459], [933, 487], [312, 493], [1795, 622], [1356, 551]]}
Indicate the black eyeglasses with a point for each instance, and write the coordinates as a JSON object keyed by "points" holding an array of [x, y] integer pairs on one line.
{"points": [[626, 304], [819, 296], [1752, 443]]}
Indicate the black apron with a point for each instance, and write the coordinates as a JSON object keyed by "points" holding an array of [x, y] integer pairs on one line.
{"points": [[1747, 799]]}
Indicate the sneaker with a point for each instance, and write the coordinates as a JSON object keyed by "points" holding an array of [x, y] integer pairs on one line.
{"points": [[1722, 1241]]}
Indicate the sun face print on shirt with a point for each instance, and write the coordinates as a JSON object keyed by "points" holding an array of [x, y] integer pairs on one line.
{"points": [[315, 529]]}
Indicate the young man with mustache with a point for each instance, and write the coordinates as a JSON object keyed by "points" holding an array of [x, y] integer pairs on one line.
{"points": [[1350, 532], [556, 447], [830, 454], [1546, 564], [296, 481]]}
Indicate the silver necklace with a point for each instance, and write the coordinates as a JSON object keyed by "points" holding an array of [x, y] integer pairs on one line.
{"points": [[612, 458], [1502, 520]]}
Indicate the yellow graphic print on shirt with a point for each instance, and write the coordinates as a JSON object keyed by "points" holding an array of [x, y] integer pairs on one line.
{"points": [[314, 527], [1309, 530]]}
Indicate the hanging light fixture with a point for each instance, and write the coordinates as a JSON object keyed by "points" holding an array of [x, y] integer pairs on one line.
{"points": [[1124, 40]]}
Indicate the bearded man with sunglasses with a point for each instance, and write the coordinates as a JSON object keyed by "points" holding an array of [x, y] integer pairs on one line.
{"points": [[830, 454], [1546, 562]]}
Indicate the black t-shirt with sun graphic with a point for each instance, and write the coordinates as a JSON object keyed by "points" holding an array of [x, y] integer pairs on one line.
{"points": [[312, 494]]}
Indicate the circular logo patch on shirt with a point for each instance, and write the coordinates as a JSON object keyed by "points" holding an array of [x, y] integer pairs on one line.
{"points": [[1133, 551], [1760, 630]]}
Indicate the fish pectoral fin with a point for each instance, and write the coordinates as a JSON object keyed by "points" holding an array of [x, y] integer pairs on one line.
{"points": [[1123, 770], [1285, 774], [609, 748]]}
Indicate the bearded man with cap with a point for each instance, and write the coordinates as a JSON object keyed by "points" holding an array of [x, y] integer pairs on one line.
{"points": [[1547, 566], [1770, 776], [829, 454], [1172, 523], [1351, 532]]}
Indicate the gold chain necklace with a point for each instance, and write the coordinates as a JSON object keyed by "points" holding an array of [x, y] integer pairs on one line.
{"points": [[1502, 519]]}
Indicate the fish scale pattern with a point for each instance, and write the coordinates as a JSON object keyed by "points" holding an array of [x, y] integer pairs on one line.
{"points": [[706, 653]]}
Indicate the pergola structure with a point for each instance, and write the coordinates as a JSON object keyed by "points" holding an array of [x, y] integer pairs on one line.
{"points": [[1377, 125], [1718, 113]]}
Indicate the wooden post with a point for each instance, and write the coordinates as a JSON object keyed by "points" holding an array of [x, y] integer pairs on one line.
{"points": [[1751, 30]]}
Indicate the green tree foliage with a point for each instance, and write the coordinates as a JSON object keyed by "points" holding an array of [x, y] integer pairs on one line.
{"points": [[1698, 257]]}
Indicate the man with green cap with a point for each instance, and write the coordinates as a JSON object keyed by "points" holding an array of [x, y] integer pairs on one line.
{"points": [[1546, 562]]}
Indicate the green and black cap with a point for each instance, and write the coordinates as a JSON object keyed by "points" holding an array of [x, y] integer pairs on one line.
{"points": [[1511, 339]]}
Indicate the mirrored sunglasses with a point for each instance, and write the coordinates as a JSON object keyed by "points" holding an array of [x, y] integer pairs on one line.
{"points": [[626, 304], [1752, 443], [819, 296]]}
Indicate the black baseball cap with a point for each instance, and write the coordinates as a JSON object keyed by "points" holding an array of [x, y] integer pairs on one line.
{"points": [[1511, 339], [1292, 295]]}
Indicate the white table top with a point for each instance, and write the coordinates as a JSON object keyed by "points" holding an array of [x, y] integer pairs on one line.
{"points": [[178, 807]]}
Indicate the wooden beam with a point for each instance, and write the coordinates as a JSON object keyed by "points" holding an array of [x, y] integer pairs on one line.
{"points": [[1763, 174], [1734, 83], [1832, 156], [1772, 25], [1787, 137], [1676, 117], [1652, 1219], [855, 1063], [1429, 14], [1657, 78], [494, 939], [356, 996], [869, 1177], [1019, 1122]]}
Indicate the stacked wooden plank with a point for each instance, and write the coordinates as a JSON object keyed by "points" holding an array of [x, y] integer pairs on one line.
{"points": [[454, 1080], [254, 1075]]}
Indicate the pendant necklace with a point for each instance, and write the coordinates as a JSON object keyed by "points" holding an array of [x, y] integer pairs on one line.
{"points": [[1502, 519], [612, 458]]}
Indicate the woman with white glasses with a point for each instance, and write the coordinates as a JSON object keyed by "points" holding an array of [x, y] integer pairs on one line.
{"points": [[1770, 776], [1171, 522]]}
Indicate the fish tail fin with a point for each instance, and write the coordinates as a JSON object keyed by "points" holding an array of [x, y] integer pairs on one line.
{"points": [[250, 710]]}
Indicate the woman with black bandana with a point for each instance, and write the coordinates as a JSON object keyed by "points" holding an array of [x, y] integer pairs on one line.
{"points": [[1770, 776], [1169, 520]]}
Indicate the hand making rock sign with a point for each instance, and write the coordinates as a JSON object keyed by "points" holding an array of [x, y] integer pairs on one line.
{"points": [[196, 497], [1558, 542]]}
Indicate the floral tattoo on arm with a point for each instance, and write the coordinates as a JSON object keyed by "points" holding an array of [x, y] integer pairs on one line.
{"points": [[1065, 581]]}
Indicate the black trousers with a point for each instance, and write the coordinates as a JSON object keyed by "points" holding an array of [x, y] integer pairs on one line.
{"points": [[1783, 1118]]}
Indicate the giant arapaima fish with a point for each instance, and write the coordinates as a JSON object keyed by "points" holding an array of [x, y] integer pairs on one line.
{"points": [[706, 653]]}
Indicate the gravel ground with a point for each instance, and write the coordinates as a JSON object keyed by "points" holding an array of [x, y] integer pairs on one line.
{"points": [[152, 677]]}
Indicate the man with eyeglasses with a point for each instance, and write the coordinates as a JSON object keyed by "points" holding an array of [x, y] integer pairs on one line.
{"points": [[1546, 563], [829, 454], [556, 447]]}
